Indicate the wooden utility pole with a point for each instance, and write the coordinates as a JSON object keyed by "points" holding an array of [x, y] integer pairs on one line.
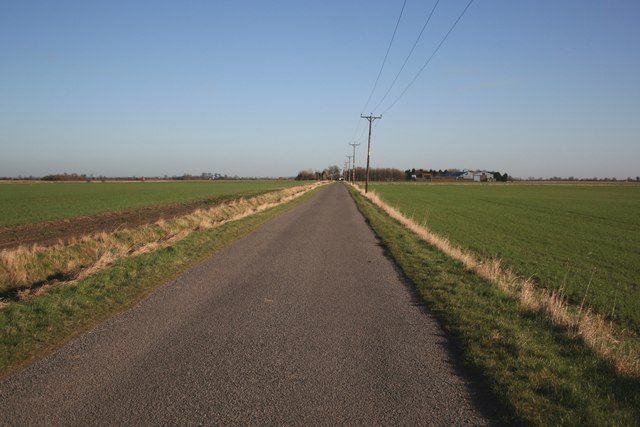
{"points": [[353, 171], [371, 118], [348, 170]]}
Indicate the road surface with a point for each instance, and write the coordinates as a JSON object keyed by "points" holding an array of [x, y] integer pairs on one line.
{"points": [[305, 321]]}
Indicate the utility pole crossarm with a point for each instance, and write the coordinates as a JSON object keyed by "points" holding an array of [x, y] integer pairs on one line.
{"points": [[370, 118]]}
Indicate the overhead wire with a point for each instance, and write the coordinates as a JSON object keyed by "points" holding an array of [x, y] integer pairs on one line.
{"points": [[409, 55], [430, 57], [417, 75], [386, 55], [357, 137]]}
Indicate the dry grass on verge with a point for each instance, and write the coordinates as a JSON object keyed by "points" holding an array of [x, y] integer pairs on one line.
{"points": [[598, 333], [28, 272]]}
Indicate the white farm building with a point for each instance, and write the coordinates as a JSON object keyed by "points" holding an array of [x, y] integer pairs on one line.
{"points": [[478, 176]]}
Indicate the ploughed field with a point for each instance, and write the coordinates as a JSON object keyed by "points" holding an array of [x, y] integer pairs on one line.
{"points": [[583, 239], [47, 212]]}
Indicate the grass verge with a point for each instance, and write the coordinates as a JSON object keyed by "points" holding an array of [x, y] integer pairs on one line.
{"points": [[537, 374], [33, 327]]}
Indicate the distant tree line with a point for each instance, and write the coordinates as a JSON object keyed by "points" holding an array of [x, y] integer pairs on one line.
{"points": [[307, 175], [331, 172], [594, 179], [380, 174], [74, 177], [334, 173], [65, 177]]}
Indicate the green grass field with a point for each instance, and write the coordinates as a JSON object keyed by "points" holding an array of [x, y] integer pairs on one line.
{"points": [[28, 203], [583, 239]]}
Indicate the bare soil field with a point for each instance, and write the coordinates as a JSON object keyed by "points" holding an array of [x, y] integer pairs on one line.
{"points": [[51, 232]]}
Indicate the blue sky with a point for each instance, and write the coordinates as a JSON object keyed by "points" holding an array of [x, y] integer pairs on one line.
{"points": [[256, 88]]}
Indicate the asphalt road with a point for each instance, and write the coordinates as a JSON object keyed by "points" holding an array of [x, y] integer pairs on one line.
{"points": [[303, 322]]}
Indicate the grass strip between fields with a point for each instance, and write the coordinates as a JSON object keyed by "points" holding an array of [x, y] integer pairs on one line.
{"points": [[30, 328], [538, 374]]}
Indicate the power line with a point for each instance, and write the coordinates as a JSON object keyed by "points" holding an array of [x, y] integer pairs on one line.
{"points": [[430, 57], [371, 118], [356, 136], [375, 85], [409, 55]]}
